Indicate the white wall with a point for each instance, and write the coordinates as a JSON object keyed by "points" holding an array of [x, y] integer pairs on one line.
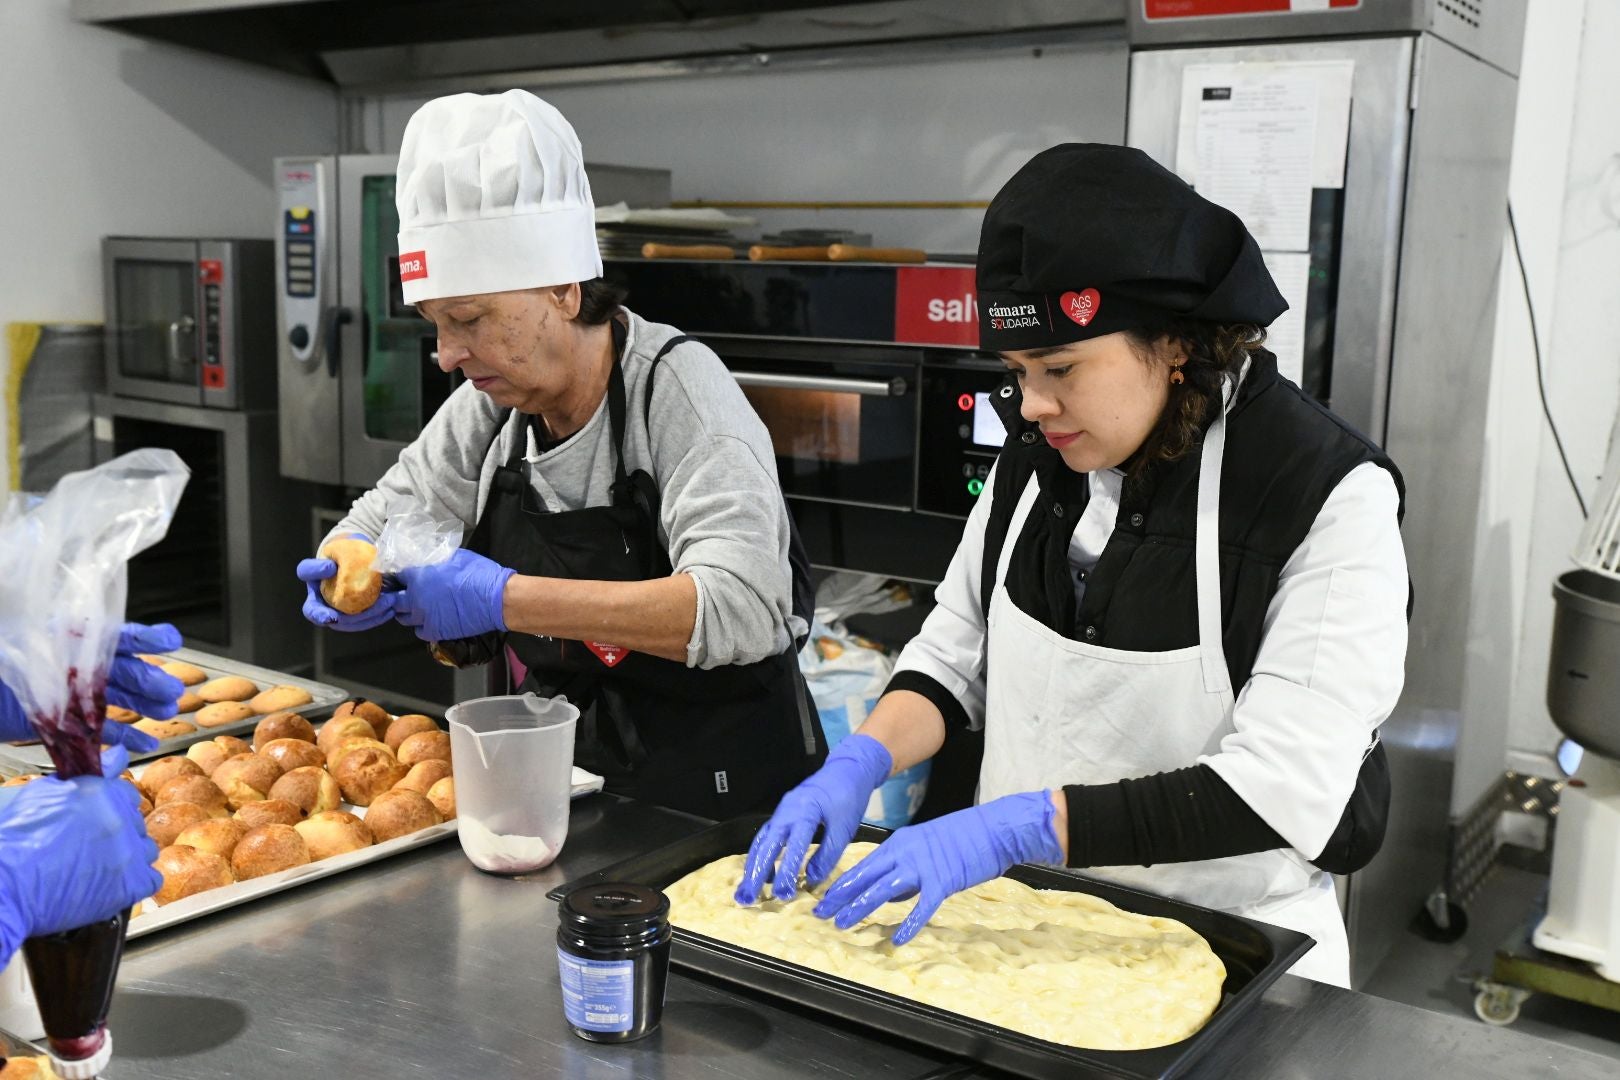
{"points": [[1500, 644], [1576, 301], [927, 130], [102, 133]]}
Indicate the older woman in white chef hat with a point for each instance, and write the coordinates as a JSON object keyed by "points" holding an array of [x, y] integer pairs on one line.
{"points": [[627, 543]]}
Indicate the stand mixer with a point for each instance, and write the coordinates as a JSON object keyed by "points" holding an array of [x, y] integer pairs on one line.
{"points": [[1583, 696]]}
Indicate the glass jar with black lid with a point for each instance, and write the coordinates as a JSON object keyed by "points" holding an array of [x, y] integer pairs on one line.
{"points": [[613, 959]]}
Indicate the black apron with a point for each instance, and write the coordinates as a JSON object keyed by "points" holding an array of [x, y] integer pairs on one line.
{"points": [[718, 742]]}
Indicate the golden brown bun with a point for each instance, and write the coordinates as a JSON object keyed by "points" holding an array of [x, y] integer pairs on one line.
{"points": [[18, 781], [164, 729], [189, 702], [424, 774], [233, 746], [187, 872], [227, 688], [221, 713], [122, 715], [279, 698], [333, 833], [145, 804], [443, 797], [343, 727], [194, 789], [152, 658], [366, 772], [369, 711], [342, 748], [293, 754], [28, 1068], [309, 788], [269, 812], [282, 725], [268, 849], [356, 585], [161, 771], [246, 778], [396, 813], [425, 746], [166, 823], [218, 835], [190, 674], [208, 755], [405, 727]]}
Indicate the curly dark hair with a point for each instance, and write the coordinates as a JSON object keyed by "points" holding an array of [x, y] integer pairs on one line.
{"points": [[600, 300], [1214, 352]]}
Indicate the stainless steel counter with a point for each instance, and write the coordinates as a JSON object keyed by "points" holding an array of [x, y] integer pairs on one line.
{"points": [[424, 967]]}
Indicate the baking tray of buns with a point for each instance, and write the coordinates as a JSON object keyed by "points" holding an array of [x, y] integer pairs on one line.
{"points": [[238, 820], [231, 714], [1255, 955]]}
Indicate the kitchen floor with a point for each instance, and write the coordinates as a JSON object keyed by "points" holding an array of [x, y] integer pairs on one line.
{"points": [[1439, 977]]}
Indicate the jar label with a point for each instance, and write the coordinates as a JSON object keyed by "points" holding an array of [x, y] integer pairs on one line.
{"points": [[598, 995]]}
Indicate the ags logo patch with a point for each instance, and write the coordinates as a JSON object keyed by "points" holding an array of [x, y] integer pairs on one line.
{"points": [[1081, 306]]}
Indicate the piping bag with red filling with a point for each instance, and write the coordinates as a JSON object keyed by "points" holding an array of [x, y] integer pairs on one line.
{"points": [[63, 581]]}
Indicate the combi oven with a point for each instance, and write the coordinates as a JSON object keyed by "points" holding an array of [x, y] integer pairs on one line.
{"points": [[358, 367]]}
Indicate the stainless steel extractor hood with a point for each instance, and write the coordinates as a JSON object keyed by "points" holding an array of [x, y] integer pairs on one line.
{"points": [[363, 45]]}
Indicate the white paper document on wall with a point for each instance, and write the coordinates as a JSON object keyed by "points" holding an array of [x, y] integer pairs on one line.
{"points": [[1291, 270], [1252, 152], [1334, 81]]}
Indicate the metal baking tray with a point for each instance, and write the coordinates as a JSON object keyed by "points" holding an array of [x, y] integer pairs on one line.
{"points": [[15, 1046], [32, 758], [151, 919], [1254, 953]]}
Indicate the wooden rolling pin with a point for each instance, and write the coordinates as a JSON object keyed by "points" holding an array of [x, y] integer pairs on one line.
{"points": [[766, 253], [851, 253], [686, 251]]}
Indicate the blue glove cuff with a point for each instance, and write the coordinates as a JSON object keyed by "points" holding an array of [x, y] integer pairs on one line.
{"points": [[868, 755], [497, 599], [1031, 823]]}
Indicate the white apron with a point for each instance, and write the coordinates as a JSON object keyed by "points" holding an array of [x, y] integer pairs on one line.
{"points": [[1060, 711]]}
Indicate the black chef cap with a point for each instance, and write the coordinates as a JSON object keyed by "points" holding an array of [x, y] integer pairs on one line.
{"points": [[1089, 239]]}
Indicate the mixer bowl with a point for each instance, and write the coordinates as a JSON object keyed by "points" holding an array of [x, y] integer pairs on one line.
{"points": [[1583, 670]]}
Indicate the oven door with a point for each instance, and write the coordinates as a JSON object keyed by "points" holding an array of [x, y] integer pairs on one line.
{"points": [[153, 319], [391, 382], [842, 419]]}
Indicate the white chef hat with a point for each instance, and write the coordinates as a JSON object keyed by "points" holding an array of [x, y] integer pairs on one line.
{"points": [[492, 196]]}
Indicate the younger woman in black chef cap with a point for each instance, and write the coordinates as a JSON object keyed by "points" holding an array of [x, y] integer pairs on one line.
{"points": [[1178, 611]]}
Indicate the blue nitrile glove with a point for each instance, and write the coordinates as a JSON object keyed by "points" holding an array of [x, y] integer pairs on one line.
{"points": [[16, 727], [135, 684], [72, 852], [835, 795], [314, 571], [945, 856], [458, 598]]}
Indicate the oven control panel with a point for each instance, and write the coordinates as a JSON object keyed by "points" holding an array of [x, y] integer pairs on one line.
{"points": [[300, 240], [959, 434]]}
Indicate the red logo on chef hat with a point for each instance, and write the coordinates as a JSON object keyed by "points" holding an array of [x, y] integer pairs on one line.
{"points": [[412, 265], [1081, 306]]}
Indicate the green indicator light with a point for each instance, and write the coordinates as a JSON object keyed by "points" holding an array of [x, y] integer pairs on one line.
{"points": [[975, 486]]}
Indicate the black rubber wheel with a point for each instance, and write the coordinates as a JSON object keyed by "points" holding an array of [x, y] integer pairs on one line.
{"points": [[1426, 928]]}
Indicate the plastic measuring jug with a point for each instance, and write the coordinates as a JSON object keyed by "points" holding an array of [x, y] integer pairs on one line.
{"points": [[513, 759]]}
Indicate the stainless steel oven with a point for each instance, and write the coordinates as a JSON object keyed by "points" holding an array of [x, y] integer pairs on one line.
{"points": [[223, 573], [359, 373], [879, 412], [190, 321]]}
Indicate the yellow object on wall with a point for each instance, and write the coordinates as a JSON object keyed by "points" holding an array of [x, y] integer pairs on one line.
{"points": [[21, 341]]}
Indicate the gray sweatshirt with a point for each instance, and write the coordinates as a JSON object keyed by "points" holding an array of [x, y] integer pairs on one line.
{"points": [[722, 519]]}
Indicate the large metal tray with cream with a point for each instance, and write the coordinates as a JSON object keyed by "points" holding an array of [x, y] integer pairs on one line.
{"points": [[17, 758]]}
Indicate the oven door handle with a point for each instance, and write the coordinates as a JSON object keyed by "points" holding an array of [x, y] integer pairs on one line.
{"points": [[896, 387], [181, 332]]}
